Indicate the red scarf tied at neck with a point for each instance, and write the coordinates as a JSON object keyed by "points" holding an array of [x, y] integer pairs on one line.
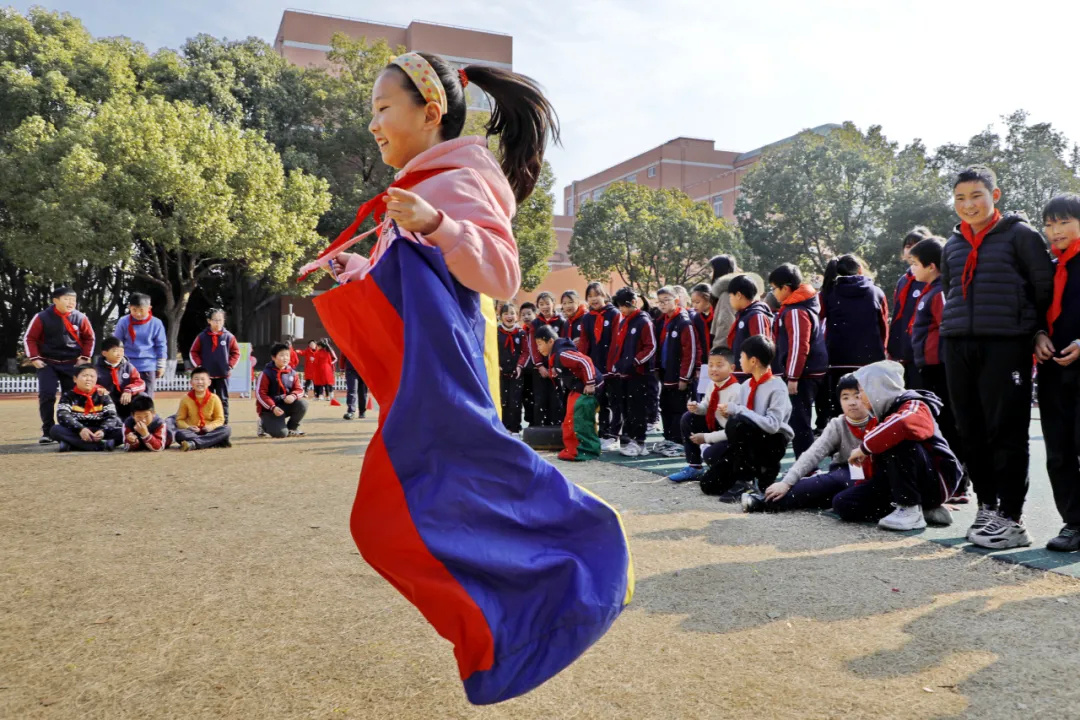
{"points": [[199, 406], [620, 336], [90, 402], [132, 322], [765, 377], [508, 342], [714, 402], [598, 323], [860, 433], [976, 239], [1061, 276], [214, 338], [67, 323]]}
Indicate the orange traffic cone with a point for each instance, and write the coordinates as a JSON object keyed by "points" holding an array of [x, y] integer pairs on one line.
{"points": [[334, 402], [370, 403]]}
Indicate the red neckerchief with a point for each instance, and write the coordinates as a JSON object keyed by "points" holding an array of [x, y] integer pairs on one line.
{"points": [[132, 322], [115, 372], [198, 407], [766, 377], [548, 321], [598, 322], [975, 240], [667, 321], [569, 327], [278, 377], [214, 337], [1061, 276], [376, 208], [902, 294], [509, 341], [708, 328], [67, 323], [860, 433], [620, 336], [90, 402], [714, 402]]}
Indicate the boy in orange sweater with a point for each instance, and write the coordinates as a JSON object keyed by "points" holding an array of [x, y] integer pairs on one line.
{"points": [[200, 421]]}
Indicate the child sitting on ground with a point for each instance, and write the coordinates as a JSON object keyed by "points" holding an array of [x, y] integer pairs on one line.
{"points": [[86, 417], [118, 376], [143, 429], [757, 430], [579, 378], [802, 487], [914, 470], [280, 396], [703, 424], [200, 421]]}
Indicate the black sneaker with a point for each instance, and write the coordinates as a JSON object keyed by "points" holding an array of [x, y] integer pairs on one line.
{"points": [[735, 492], [110, 445], [226, 443], [349, 415], [64, 447], [753, 502], [1068, 540], [45, 440]]}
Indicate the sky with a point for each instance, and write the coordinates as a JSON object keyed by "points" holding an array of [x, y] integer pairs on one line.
{"points": [[628, 75]]}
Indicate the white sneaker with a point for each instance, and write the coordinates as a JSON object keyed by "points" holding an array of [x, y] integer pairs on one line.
{"points": [[673, 450], [631, 449], [609, 444], [643, 449], [984, 517], [653, 428], [939, 516], [1001, 534], [903, 518]]}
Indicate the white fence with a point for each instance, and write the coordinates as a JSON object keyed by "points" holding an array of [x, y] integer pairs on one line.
{"points": [[11, 384]]}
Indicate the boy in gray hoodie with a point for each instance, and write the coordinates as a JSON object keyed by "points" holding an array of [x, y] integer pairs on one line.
{"points": [[914, 470], [805, 488], [757, 428]]}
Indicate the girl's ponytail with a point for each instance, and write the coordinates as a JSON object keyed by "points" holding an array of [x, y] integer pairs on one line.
{"points": [[521, 116]]}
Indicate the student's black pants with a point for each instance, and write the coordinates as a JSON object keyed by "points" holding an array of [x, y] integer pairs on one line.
{"points": [[802, 407], [510, 396], [1059, 413], [653, 398], [815, 492], [208, 439], [61, 433], [527, 395], [279, 427], [932, 378], [672, 408], [604, 412], [547, 401], [904, 475], [989, 383], [692, 424], [52, 377], [634, 407], [355, 391], [220, 387], [749, 455]]}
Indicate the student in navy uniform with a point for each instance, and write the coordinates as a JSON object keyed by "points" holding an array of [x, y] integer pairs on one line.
{"points": [[574, 313], [997, 278], [527, 313], [629, 366], [751, 316], [676, 360], [597, 329], [905, 298], [57, 340], [701, 315], [144, 431], [118, 376], [145, 343], [547, 396], [86, 418], [279, 398], [512, 349], [216, 350], [856, 319], [801, 358], [1059, 375]]}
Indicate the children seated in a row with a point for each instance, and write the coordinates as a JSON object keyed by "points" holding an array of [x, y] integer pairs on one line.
{"points": [[279, 398], [200, 421], [86, 418], [118, 376], [579, 378]]}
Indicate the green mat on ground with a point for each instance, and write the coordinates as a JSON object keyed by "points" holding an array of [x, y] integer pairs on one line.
{"points": [[1040, 513]]}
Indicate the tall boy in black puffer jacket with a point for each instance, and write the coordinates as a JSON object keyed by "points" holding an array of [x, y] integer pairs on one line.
{"points": [[997, 279]]}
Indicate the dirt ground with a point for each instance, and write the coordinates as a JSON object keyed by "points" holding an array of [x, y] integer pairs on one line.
{"points": [[224, 584]]}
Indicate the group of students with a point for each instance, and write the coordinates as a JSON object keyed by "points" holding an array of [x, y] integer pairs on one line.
{"points": [[913, 405]]}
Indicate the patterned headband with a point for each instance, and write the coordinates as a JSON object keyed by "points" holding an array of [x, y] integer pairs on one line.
{"points": [[424, 77]]}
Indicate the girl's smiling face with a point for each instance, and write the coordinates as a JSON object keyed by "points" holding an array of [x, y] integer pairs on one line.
{"points": [[546, 306], [403, 128], [596, 300], [569, 305]]}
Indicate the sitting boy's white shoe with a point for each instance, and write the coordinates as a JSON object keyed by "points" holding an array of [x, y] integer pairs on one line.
{"points": [[609, 444], [631, 449], [903, 518], [1001, 534]]}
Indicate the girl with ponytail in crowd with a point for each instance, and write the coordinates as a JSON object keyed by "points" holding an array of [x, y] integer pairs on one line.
{"points": [[437, 509]]}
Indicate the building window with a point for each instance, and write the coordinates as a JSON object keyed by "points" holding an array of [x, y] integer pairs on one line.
{"points": [[570, 205], [631, 178], [598, 193], [718, 205], [652, 171]]}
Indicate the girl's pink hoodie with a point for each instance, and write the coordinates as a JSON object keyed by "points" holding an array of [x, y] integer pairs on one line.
{"points": [[475, 205]]}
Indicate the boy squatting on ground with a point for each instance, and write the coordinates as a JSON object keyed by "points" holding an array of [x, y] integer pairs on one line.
{"points": [[200, 421], [702, 423], [757, 428], [578, 376], [280, 402], [86, 418]]}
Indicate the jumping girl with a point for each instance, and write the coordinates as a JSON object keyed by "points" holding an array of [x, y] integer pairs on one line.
{"points": [[438, 508]]}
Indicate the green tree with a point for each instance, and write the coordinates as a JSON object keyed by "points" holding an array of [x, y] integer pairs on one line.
{"points": [[651, 238], [816, 197], [164, 189], [534, 230]]}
